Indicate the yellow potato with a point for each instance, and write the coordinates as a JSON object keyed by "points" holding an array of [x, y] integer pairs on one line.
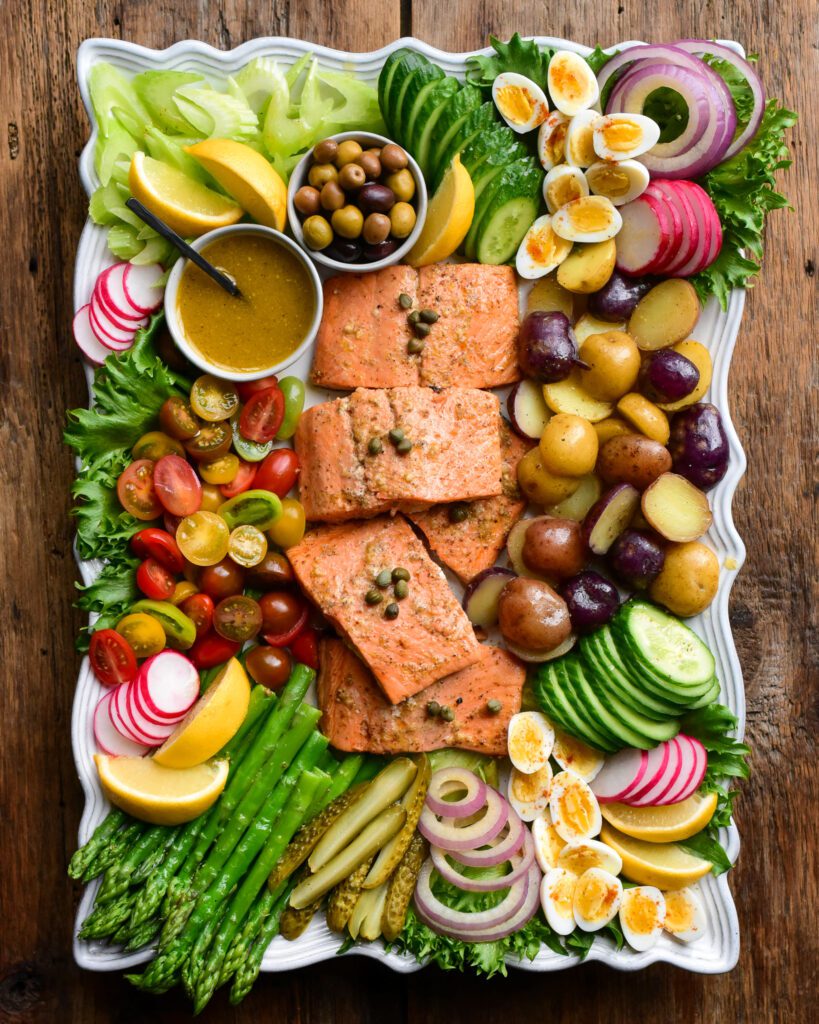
{"points": [[569, 395], [648, 418], [689, 579], [611, 427], [568, 445], [578, 504], [539, 485], [549, 297], [587, 325], [614, 362], [701, 358], [665, 315], [587, 267]]}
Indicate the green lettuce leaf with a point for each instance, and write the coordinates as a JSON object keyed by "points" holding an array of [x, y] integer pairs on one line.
{"points": [[109, 596], [523, 56]]}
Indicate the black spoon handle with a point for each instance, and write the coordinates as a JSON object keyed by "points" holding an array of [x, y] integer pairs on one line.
{"points": [[162, 228]]}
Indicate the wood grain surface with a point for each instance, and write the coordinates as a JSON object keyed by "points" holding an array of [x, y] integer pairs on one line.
{"points": [[774, 406]]}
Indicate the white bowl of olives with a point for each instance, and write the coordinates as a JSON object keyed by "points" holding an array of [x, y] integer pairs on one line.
{"points": [[356, 202]]}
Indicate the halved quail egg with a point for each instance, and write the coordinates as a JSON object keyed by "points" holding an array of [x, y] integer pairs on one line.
{"points": [[551, 139], [579, 144], [541, 250], [572, 84], [624, 136], [620, 182], [563, 184], [589, 219], [520, 101]]}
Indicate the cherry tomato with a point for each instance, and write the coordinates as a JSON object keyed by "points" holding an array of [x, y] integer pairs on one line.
{"points": [[288, 529], [305, 647], [269, 666], [214, 399], [154, 445], [182, 591], [212, 650], [203, 538], [212, 498], [171, 523], [242, 482], [136, 491], [278, 472], [247, 546], [220, 471], [155, 581], [177, 419], [199, 608], [143, 633], [112, 658], [273, 571], [212, 441], [159, 544], [284, 616], [263, 415], [224, 579], [177, 486], [248, 388], [237, 618]]}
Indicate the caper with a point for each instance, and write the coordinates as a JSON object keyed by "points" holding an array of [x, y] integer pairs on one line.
{"points": [[351, 177], [320, 174], [375, 447], [332, 196], [447, 713], [405, 301], [307, 200], [401, 589], [317, 232], [402, 220], [458, 512], [421, 330], [373, 597], [433, 708], [402, 184], [348, 151], [393, 158], [396, 435], [324, 152], [428, 316], [383, 579], [400, 574], [494, 707], [391, 611], [415, 346], [376, 228], [404, 447], [348, 221], [414, 317]]}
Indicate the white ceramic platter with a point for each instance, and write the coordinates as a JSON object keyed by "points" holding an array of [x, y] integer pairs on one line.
{"points": [[718, 950]]}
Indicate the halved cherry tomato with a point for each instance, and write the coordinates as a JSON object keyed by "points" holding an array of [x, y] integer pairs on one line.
{"points": [[214, 399], [203, 538], [243, 480], [262, 415], [213, 440], [248, 388], [136, 491], [288, 529], [112, 658], [220, 471], [177, 419], [177, 486], [212, 498], [278, 472], [155, 444], [284, 616], [182, 591], [155, 581], [159, 544], [305, 647], [211, 650], [199, 608], [237, 618]]}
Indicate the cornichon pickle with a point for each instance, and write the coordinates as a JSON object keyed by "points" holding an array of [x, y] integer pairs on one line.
{"points": [[253, 508], [401, 887], [293, 391], [345, 896], [365, 920], [180, 631], [413, 803], [294, 922]]}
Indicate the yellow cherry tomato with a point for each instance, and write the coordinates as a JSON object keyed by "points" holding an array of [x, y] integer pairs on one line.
{"points": [[214, 399], [221, 470], [155, 444], [143, 633], [203, 538], [182, 591], [289, 528], [247, 546], [212, 498]]}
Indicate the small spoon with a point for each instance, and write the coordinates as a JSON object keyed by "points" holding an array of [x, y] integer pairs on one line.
{"points": [[190, 253]]}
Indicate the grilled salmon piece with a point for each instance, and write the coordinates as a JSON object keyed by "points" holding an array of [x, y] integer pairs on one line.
{"points": [[355, 716], [473, 545], [474, 341], [455, 454], [362, 340], [430, 638]]}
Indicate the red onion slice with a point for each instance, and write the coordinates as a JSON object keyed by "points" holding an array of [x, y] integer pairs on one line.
{"points": [[662, 53], [441, 917], [447, 780], [500, 849], [513, 924], [520, 863], [447, 834]]}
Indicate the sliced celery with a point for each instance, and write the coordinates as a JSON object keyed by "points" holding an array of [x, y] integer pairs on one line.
{"points": [[123, 242], [155, 250], [112, 147], [156, 90], [216, 114], [256, 83], [170, 149], [102, 202]]}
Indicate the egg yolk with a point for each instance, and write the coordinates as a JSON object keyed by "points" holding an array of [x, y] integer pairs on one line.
{"points": [[575, 809], [536, 786], [580, 860], [565, 81], [595, 897], [516, 103], [583, 147], [590, 214], [526, 742], [542, 245], [555, 145], [575, 755], [551, 843], [621, 136], [679, 912], [563, 190], [611, 181], [640, 912], [561, 895]]}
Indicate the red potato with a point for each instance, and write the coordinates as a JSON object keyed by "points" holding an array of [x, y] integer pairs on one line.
{"points": [[554, 548], [676, 509], [609, 516], [633, 459], [532, 615]]}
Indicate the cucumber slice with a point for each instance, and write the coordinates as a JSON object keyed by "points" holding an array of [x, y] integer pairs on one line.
{"points": [[404, 71], [603, 738], [156, 90], [521, 178], [606, 675], [425, 119], [565, 714], [417, 83], [601, 646], [708, 697], [612, 715], [633, 720], [391, 65], [510, 215], [449, 124], [662, 642], [496, 146], [479, 120], [487, 181], [542, 689]]}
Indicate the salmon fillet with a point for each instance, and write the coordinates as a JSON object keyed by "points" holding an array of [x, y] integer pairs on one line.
{"points": [[356, 717], [362, 341], [455, 453], [473, 545], [430, 638]]}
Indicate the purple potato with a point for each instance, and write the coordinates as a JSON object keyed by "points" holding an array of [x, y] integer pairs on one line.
{"points": [[667, 376], [547, 347], [480, 600], [592, 600], [637, 558], [528, 412], [698, 445], [609, 516], [616, 300]]}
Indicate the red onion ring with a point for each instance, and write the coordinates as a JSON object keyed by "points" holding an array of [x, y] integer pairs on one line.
{"points": [[634, 88], [500, 849], [474, 800], [527, 911], [520, 863], [448, 835], [439, 916], [663, 54]]}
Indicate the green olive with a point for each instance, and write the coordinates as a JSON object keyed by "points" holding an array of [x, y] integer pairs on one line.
{"points": [[351, 177], [348, 151], [370, 164], [324, 152], [393, 158], [348, 221], [320, 174], [402, 183], [317, 232], [402, 219], [306, 200], [332, 196], [376, 228]]}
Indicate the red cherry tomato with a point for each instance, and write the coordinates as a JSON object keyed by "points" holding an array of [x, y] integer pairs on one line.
{"points": [[171, 523], [278, 472], [155, 581], [242, 481], [224, 579], [178, 487], [305, 647], [112, 658], [199, 608], [159, 544], [248, 388], [262, 415], [211, 650], [284, 616], [136, 490]]}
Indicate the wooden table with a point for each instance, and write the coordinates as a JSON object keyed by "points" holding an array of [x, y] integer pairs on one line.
{"points": [[772, 395]]}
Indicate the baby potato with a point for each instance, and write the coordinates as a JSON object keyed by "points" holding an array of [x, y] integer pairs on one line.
{"points": [[614, 363], [701, 358], [611, 427], [587, 267], [568, 445], [570, 396], [548, 296], [554, 548], [645, 416], [578, 504], [689, 579], [634, 460], [533, 615], [539, 485], [665, 315]]}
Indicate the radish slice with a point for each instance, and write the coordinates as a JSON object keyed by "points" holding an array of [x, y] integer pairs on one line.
{"points": [[705, 227], [137, 699], [151, 732], [169, 685], [141, 287], [654, 795], [109, 740], [673, 211], [113, 294], [694, 781], [108, 312], [87, 341], [656, 767], [619, 775], [645, 237], [121, 722], [688, 224], [108, 333]]}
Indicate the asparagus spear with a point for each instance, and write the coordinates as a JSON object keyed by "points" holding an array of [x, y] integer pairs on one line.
{"points": [[82, 859], [105, 919], [247, 970], [144, 933], [146, 869], [118, 877], [115, 848]]}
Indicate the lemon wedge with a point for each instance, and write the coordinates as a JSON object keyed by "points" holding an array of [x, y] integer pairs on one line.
{"points": [[245, 174], [211, 722], [666, 824], [449, 217], [665, 865], [162, 796], [188, 206]]}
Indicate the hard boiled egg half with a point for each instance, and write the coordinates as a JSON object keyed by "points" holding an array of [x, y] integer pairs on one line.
{"points": [[563, 184], [624, 136], [620, 182], [542, 249], [548, 843], [574, 808], [583, 854], [529, 793], [529, 739], [575, 756], [589, 219], [685, 917], [520, 101], [579, 145], [557, 899], [551, 139], [572, 84], [642, 913], [597, 898]]}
